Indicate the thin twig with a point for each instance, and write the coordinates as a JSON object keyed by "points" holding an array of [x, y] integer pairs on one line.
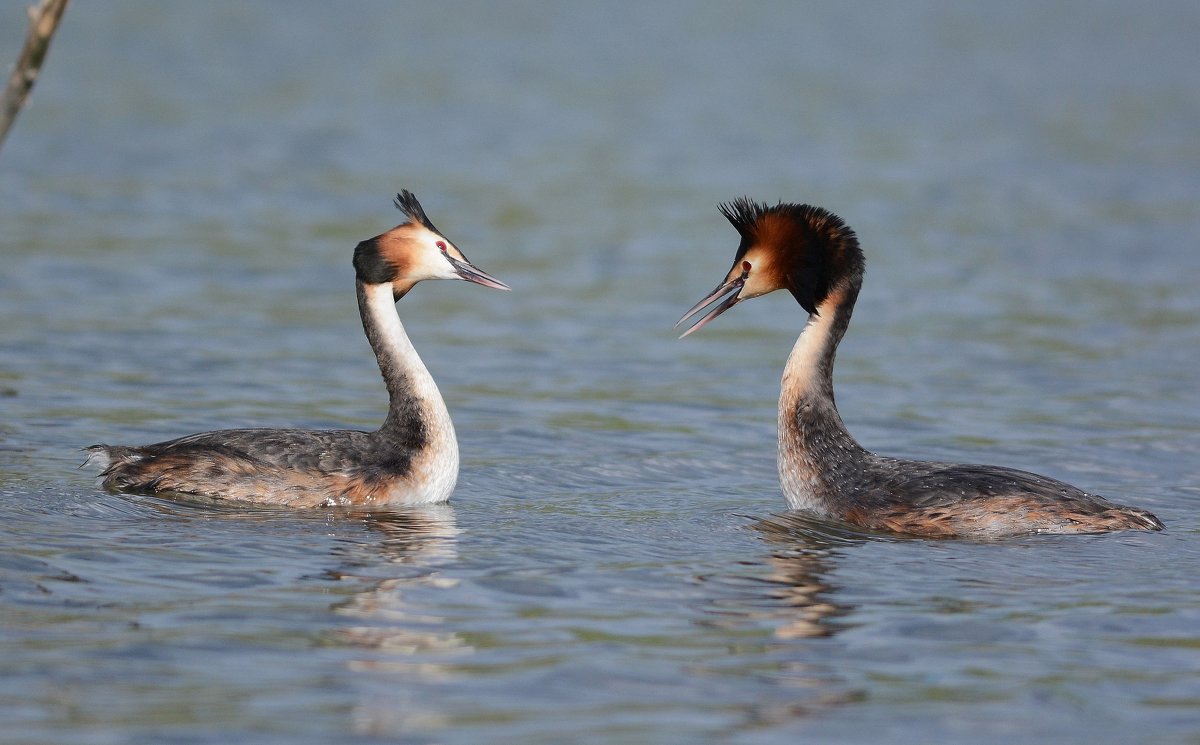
{"points": [[43, 21]]}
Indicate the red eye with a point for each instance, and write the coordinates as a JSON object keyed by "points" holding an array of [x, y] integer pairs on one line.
{"points": [[442, 245]]}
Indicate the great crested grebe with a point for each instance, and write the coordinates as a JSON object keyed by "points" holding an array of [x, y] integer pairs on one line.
{"points": [[822, 469], [411, 459]]}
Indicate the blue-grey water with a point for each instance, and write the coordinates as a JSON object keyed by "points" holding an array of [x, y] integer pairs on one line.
{"points": [[179, 203]]}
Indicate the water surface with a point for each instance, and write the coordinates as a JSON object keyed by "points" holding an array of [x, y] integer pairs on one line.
{"points": [[180, 203]]}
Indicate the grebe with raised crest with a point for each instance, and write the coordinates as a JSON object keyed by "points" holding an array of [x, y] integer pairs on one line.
{"points": [[411, 459], [822, 469]]}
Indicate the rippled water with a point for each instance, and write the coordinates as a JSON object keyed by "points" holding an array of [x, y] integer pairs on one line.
{"points": [[179, 206]]}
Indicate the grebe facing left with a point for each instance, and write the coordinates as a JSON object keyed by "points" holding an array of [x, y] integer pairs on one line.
{"points": [[811, 253], [411, 459]]}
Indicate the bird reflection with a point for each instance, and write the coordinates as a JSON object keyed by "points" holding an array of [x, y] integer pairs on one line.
{"points": [[802, 555], [788, 593], [396, 636], [384, 629], [413, 544], [794, 597]]}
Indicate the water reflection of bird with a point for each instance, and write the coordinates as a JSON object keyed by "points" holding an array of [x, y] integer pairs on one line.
{"points": [[795, 596], [411, 459], [789, 593], [815, 256], [412, 543], [396, 632]]}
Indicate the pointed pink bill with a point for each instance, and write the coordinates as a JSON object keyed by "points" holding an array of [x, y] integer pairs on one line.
{"points": [[730, 288], [468, 271]]}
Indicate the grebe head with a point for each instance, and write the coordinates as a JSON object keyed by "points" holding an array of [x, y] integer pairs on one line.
{"points": [[413, 251], [804, 249]]}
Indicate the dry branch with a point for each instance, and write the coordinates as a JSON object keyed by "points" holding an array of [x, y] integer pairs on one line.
{"points": [[43, 21]]}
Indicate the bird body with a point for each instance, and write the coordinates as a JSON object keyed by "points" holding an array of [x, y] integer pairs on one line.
{"points": [[822, 468], [411, 459]]}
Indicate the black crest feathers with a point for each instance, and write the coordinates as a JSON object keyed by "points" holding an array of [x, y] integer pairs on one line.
{"points": [[743, 213], [747, 216], [815, 250], [407, 203]]}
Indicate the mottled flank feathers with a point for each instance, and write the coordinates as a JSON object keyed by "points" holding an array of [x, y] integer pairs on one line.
{"points": [[293, 467]]}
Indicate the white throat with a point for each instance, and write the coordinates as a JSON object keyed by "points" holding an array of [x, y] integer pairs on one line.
{"points": [[434, 469], [802, 373], [812, 437]]}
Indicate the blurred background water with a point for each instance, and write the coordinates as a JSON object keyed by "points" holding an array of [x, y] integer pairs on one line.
{"points": [[179, 204]]}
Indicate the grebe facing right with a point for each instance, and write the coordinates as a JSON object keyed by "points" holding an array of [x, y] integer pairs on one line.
{"points": [[814, 255], [411, 459]]}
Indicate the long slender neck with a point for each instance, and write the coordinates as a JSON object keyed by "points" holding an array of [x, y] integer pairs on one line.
{"points": [[417, 415], [816, 452]]}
